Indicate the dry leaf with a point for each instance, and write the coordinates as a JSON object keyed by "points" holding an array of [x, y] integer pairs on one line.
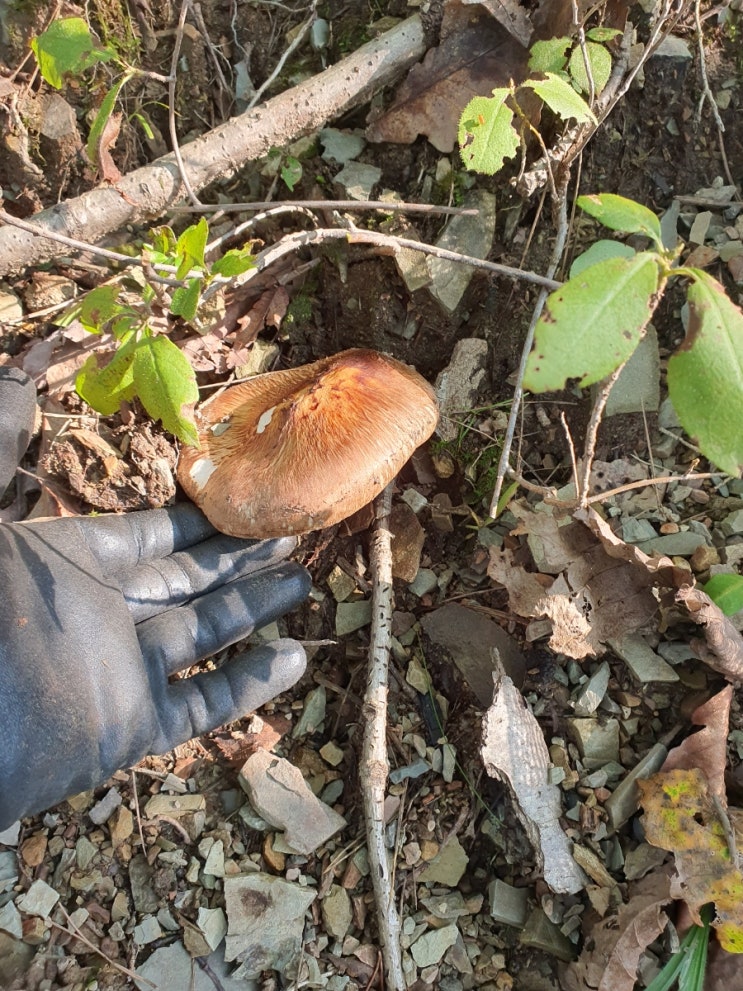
{"points": [[514, 751], [511, 15], [723, 650], [475, 55], [707, 748], [681, 816], [106, 165]]}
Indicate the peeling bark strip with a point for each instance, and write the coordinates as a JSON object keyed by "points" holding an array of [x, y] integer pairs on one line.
{"points": [[147, 192]]}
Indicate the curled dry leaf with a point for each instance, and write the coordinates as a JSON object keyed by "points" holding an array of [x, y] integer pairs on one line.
{"points": [[707, 748], [514, 751], [722, 648]]}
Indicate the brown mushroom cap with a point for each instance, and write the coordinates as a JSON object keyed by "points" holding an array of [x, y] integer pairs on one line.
{"points": [[292, 451]]}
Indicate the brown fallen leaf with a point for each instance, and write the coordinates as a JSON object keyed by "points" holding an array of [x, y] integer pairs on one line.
{"points": [[511, 15], [722, 647], [514, 751], [106, 165], [681, 816], [613, 947], [475, 54], [707, 748]]}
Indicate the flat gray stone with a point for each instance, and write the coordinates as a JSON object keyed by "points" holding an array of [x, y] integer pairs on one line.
{"points": [[590, 696], [9, 836], [8, 869], [447, 867], [141, 876], [10, 920], [429, 948], [681, 544], [424, 582], [733, 523], [597, 742], [540, 933], [341, 146], [508, 904], [39, 900], [642, 660], [10, 307], [103, 810], [313, 713], [358, 179], [634, 531], [278, 792], [459, 384], [147, 931], [212, 923], [469, 235], [352, 616], [265, 923], [337, 911], [171, 968], [470, 638]]}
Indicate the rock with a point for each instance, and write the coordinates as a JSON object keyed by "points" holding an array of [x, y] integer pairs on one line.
{"points": [[8, 869], [340, 584], [10, 920], [732, 524], [638, 385], [411, 771], [597, 743], [447, 867], [265, 923], [542, 934], [470, 638], [9, 836], [449, 906], [358, 180], [10, 306], [681, 544], [170, 968], [47, 289], [147, 931], [33, 849], [121, 826], [337, 912], [279, 793], [15, 959], [39, 900], [332, 754], [458, 386], [429, 948], [352, 616], [313, 713], [623, 801], [424, 582], [470, 235], [103, 810], [214, 864], [60, 137], [642, 660], [593, 691], [85, 852], [508, 904], [408, 537], [140, 879], [341, 146], [173, 805], [212, 922]]}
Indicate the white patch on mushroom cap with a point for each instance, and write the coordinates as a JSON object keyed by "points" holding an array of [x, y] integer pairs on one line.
{"points": [[219, 428], [265, 420], [202, 470]]}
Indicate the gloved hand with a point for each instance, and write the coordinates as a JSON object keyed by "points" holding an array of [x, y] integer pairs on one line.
{"points": [[97, 614]]}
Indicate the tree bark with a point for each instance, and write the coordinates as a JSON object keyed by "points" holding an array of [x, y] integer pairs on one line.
{"points": [[146, 193]]}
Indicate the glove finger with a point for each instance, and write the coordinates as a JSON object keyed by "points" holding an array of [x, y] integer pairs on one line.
{"points": [[176, 639], [171, 581], [122, 542], [199, 704], [17, 412]]}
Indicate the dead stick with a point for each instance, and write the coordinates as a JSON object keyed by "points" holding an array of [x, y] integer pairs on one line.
{"points": [[146, 193], [374, 763]]}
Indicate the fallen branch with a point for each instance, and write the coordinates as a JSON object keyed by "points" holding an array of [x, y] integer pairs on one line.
{"points": [[145, 193], [374, 763]]}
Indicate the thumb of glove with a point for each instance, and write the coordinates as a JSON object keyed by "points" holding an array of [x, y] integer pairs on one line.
{"points": [[17, 411]]}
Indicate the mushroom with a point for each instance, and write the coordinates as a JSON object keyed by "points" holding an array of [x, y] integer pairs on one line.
{"points": [[296, 450]]}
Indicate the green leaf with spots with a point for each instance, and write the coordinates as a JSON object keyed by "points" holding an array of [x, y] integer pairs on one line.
{"points": [[705, 374], [486, 135], [560, 97], [549, 55], [726, 591], [593, 323], [106, 388], [620, 214], [599, 60], [66, 46], [602, 34], [166, 384]]}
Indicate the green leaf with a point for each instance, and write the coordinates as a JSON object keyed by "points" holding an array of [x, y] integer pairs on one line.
{"points": [[593, 323], [234, 262], [166, 384], [599, 252], [549, 55], [66, 46], [190, 248], [99, 306], [104, 389], [101, 118], [291, 172], [602, 34], [185, 300], [620, 214], [163, 243], [600, 61], [145, 125], [560, 97], [726, 591], [705, 374], [486, 133]]}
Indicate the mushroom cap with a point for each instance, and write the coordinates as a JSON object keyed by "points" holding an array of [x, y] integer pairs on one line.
{"points": [[297, 450]]}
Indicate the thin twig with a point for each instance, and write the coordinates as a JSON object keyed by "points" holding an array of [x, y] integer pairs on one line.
{"points": [[296, 42], [350, 205], [185, 4], [708, 95], [589, 448], [557, 249], [374, 762]]}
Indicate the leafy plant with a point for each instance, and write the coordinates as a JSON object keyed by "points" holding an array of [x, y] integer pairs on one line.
{"points": [[726, 591], [594, 322], [147, 364], [67, 48], [687, 967], [487, 134]]}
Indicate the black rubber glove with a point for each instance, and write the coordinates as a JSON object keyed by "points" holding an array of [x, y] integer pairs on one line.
{"points": [[97, 614]]}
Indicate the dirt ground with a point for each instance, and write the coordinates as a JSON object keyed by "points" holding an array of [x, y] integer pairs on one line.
{"points": [[653, 148]]}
